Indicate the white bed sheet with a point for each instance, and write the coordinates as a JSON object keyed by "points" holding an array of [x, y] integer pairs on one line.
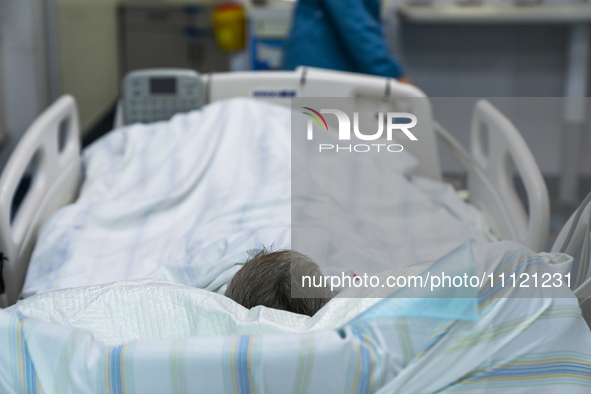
{"points": [[187, 199]]}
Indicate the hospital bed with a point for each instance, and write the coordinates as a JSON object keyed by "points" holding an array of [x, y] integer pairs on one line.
{"points": [[51, 144], [85, 339]]}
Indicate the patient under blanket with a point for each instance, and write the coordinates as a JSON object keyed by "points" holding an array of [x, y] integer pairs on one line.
{"points": [[129, 334], [185, 200], [124, 288]]}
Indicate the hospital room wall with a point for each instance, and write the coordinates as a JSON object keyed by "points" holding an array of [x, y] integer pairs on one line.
{"points": [[87, 51], [88, 62], [80, 59], [494, 61], [84, 55], [23, 82]]}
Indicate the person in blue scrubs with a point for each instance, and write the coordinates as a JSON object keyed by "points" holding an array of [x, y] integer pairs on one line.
{"points": [[341, 35]]}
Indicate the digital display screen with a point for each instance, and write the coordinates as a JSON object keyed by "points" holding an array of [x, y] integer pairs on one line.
{"points": [[162, 85]]}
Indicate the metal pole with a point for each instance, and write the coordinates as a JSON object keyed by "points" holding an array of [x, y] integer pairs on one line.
{"points": [[574, 111]]}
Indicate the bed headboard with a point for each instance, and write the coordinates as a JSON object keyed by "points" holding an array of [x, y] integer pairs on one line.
{"points": [[47, 158], [371, 91]]}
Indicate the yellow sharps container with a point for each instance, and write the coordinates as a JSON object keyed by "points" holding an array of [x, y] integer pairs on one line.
{"points": [[229, 26]]}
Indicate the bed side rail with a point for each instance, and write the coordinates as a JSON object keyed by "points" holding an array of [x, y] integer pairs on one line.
{"points": [[48, 154], [496, 149]]}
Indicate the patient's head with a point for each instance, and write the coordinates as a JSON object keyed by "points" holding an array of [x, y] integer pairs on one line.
{"points": [[266, 279]]}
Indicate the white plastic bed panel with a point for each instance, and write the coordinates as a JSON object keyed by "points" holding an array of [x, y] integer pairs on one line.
{"points": [[379, 93], [495, 145], [54, 140]]}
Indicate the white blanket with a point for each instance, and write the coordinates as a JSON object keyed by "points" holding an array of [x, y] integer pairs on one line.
{"points": [[186, 200]]}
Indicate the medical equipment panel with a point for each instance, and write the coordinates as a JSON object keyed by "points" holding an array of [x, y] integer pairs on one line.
{"points": [[153, 95]]}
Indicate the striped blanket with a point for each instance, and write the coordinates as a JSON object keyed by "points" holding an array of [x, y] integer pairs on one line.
{"points": [[515, 342]]}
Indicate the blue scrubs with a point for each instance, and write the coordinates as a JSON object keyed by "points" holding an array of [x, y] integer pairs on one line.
{"points": [[341, 35]]}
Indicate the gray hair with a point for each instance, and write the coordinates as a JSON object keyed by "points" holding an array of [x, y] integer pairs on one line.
{"points": [[275, 281]]}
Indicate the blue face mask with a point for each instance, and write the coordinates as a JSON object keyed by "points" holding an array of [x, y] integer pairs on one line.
{"points": [[434, 300]]}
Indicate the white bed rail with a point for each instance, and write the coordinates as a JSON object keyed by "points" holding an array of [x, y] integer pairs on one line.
{"points": [[49, 152], [497, 149]]}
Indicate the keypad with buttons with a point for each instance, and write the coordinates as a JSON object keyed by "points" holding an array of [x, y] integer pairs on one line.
{"points": [[181, 91]]}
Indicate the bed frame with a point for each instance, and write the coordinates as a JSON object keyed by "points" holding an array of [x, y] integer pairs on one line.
{"points": [[52, 143]]}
